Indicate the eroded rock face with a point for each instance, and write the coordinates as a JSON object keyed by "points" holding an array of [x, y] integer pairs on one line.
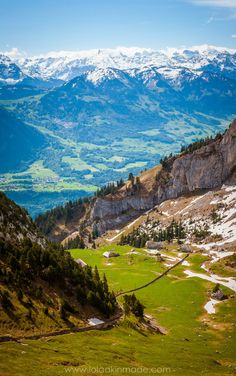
{"points": [[205, 168], [114, 207]]}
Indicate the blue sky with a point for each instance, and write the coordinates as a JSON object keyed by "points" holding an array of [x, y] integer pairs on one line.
{"points": [[39, 26]]}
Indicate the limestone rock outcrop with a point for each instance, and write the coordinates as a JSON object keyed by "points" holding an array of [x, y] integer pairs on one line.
{"points": [[206, 168]]}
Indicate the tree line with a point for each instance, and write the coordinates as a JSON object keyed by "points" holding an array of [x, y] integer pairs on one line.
{"points": [[109, 188], [27, 267], [138, 238], [187, 149], [47, 220]]}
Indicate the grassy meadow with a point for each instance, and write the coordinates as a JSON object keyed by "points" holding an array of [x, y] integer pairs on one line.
{"points": [[195, 343]]}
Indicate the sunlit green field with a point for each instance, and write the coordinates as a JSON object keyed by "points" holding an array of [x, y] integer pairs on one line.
{"points": [[196, 343]]}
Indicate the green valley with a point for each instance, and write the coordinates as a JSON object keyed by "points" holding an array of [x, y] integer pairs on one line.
{"points": [[71, 139]]}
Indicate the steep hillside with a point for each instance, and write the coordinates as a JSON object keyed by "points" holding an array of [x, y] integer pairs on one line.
{"points": [[20, 143], [42, 289], [16, 225], [206, 220], [205, 168], [201, 166], [9, 92]]}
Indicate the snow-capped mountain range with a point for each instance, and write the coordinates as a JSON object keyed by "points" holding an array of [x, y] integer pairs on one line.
{"points": [[10, 72], [90, 116], [171, 63]]}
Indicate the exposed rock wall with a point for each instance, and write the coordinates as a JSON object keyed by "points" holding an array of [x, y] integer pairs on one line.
{"points": [[205, 168]]}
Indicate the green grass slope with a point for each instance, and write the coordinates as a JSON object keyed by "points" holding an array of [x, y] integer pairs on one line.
{"points": [[195, 344], [42, 288]]}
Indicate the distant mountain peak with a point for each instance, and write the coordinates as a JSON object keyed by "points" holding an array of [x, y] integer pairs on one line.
{"points": [[203, 49], [98, 75], [66, 65]]}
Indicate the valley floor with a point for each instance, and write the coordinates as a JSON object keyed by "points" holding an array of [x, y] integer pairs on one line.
{"points": [[198, 341]]}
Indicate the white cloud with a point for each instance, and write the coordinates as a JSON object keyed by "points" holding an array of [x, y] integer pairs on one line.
{"points": [[14, 53], [215, 3], [234, 36]]}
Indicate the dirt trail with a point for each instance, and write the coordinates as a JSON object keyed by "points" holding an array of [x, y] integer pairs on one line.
{"points": [[107, 324], [154, 280]]}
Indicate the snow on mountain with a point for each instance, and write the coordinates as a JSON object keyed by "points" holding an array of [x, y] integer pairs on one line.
{"points": [[99, 75], [66, 65], [10, 73], [172, 63], [203, 50]]}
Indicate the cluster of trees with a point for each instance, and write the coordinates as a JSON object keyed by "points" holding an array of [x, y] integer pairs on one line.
{"points": [[135, 183], [168, 160], [109, 188], [5, 300], [199, 143], [215, 217], [131, 177], [201, 233], [46, 221], [12, 217], [134, 180], [135, 238], [165, 162], [175, 230], [27, 267], [112, 187], [77, 242], [132, 305], [138, 238]]}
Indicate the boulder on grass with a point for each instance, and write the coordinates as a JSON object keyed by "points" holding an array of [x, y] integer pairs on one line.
{"points": [[185, 248], [153, 245], [219, 295], [109, 254]]}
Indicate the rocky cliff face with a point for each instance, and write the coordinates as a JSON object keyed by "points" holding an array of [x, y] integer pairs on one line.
{"points": [[16, 225], [205, 168]]}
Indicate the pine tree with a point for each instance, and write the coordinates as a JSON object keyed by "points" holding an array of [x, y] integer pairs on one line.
{"points": [[96, 274], [105, 284], [131, 178]]}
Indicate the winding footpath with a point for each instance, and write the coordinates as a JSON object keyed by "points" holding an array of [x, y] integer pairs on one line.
{"points": [[105, 325], [110, 323], [155, 279]]}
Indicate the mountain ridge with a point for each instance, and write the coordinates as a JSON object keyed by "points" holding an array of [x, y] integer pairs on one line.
{"points": [[54, 64], [205, 166]]}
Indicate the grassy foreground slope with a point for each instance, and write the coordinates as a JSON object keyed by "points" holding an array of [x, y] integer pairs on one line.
{"points": [[196, 343], [42, 288]]}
